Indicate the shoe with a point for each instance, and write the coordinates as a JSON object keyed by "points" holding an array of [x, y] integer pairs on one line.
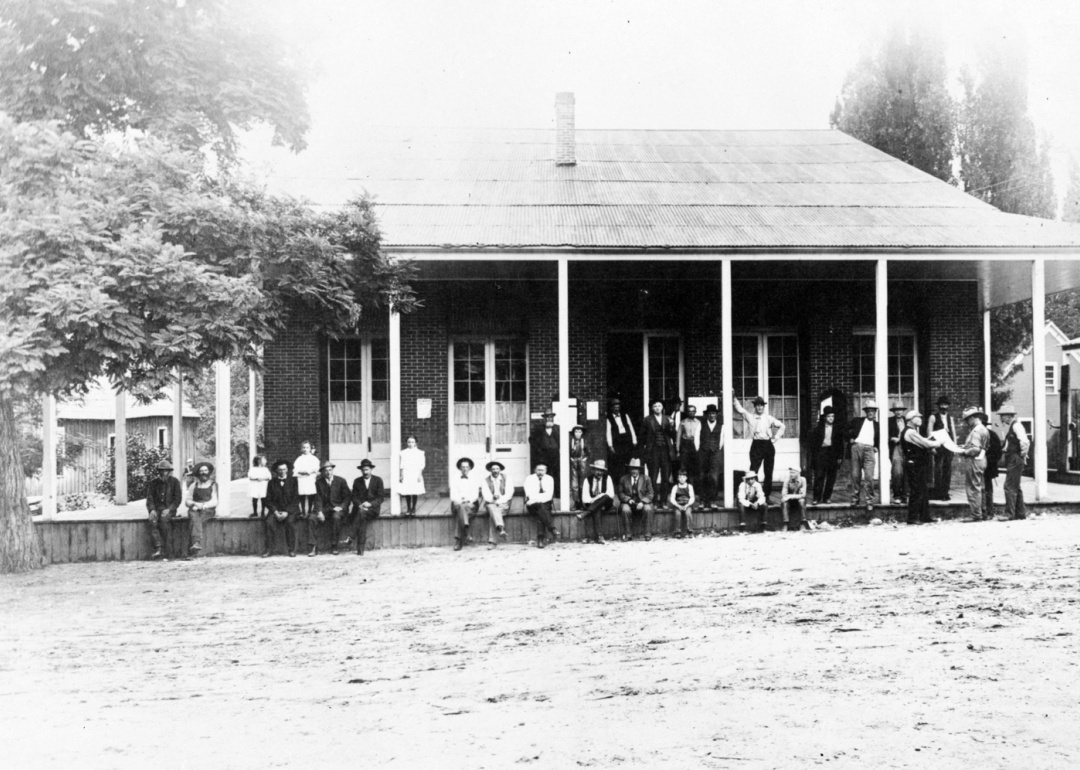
{"points": [[579, 516], [253, 515], [502, 532], [156, 554], [195, 548], [265, 555], [869, 508], [648, 538], [359, 553], [554, 534], [346, 541], [313, 552], [333, 551], [540, 543], [677, 535], [816, 502], [601, 541], [292, 554], [492, 544], [827, 501], [457, 543]]}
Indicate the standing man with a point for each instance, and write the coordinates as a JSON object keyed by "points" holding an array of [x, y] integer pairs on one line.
{"points": [[942, 420], [764, 430], [793, 501], [282, 509], [689, 433], [1016, 449], [864, 433], [826, 453], [621, 439], [635, 493], [974, 449], [539, 492], [497, 491], [334, 500], [162, 501], [711, 457], [896, 454], [658, 447], [544, 444], [464, 500], [367, 497], [917, 449]]}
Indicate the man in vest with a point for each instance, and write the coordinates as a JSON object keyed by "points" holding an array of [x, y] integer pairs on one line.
{"points": [[1016, 449], [917, 459], [942, 420], [635, 493], [864, 434], [497, 491], [711, 457], [621, 439], [896, 454], [974, 449], [598, 495], [539, 492]]}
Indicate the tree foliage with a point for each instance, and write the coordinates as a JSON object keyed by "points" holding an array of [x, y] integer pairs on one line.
{"points": [[897, 100], [1070, 209], [142, 464], [189, 72]]}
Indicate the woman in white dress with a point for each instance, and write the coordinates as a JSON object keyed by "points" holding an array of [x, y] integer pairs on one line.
{"points": [[306, 470], [258, 477], [411, 481]]}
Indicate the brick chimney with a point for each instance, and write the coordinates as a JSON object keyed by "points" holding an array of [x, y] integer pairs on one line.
{"points": [[565, 154]]}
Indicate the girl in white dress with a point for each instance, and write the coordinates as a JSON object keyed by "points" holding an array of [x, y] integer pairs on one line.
{"points": [[258, 476], [306, 470], [411, 481]]}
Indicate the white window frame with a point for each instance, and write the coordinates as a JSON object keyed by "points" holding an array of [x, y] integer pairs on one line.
{"points": [[162, 437], [110, 442], [901, 331], [763, 371], [646, 336], [1052, 383]]}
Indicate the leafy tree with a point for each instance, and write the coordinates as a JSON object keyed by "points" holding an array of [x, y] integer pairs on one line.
{"points": [[142, 467], [190, 72], [201, 391], [1001, 161], [1070, 209], [897, 100]]}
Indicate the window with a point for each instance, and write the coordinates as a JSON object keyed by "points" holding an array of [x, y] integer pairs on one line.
{"points": [[162, 438], [767, 365], [112, 441], [1051, 378], [665, 380], [902, 370], [358, 376]]}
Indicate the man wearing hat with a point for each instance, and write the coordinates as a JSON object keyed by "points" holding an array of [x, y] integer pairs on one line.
{"points": [[332, 504], [621, 439], [974, 449], [544, 448], [864, 433], [579, 465], [464, 500], [598, 494], [163, 498], [539, 492], [282, 508], [711, 457], [896, 454], [917, 449], [635, 493], [497, 491], [201, 499], [367, 497], [942, 420], [1016, 449], [764, 431], [688, 432], [751, 500], [793, 500], [658, 447], [826, 453]]}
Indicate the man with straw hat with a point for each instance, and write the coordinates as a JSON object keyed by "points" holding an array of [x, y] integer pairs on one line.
{"points": [[974, 449], [1017, 445], [597, 495]]}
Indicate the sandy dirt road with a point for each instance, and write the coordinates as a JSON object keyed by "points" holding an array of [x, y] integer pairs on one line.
{"points": [[946, 646]]}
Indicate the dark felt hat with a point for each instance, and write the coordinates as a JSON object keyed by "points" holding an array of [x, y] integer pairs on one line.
{"points": [[492, 464], [464, 460], [759, 401], [365, 463]]}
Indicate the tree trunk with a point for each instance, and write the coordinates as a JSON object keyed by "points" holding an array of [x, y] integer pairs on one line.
{"points": [[20, 550]]}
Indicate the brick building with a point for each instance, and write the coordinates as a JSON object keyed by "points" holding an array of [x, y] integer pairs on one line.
{"points": [[557, 266]]}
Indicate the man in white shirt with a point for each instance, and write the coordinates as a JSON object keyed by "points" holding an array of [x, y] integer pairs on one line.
{"points": [[464, 500], [942, 420], [974, 449], [689, 444], [497, 491], [539, 492], [750, 497], [764, 431], [793, 500], [621, 439], [864, 433], [1015, 451]]}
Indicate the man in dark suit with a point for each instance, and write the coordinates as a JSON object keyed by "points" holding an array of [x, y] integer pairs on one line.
{"points": [[941, 420], [544, 446], [711, 457], [367, 496], [162, 500], [658, 447], [282, 508], [635, 493], [332, 501], [826, 453]]}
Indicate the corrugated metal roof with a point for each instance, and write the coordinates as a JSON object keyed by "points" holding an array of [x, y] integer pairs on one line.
{"points": [[638, 189]]}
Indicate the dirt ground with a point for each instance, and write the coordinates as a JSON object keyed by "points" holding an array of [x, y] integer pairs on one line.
{"points": [[946, 646]]}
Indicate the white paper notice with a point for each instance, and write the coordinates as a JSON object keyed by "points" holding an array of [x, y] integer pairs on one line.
{"points": [[423, 408], [592, 410], [943, 436]]}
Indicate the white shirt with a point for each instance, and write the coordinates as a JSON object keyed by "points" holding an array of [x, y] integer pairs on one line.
{"points": [[827, 441], [495, 497], [761, 426], [587, 495], [539, 490], [866, 433], [464, 489]]}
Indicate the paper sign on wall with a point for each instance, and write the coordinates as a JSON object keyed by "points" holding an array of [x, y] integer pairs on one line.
{"points": [[592, 410], [423, 408]]}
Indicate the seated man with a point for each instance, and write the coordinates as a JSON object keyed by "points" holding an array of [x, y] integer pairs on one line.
{"points": [[750, 497], [367, 497], [201, 499], [793, 501], [282, 508], [162, 501], [464, 500], [597, 495], [497, 492], [332, 504], [539, 492], [635, 500]]}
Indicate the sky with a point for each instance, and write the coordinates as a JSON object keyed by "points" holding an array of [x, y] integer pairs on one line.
{"points": [[770, 64]]}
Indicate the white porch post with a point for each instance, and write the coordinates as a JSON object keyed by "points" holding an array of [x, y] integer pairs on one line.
{"points": [[253, 416], [988, 393], [395, 411], [1038, 374], [881, 378], [726, 379], [48, 458], [223, 434], [564, 380], [178, 458], [120, 463]]}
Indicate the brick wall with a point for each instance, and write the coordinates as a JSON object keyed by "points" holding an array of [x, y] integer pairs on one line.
{"points": [[424, 375], [291, 392], [954, 344]]}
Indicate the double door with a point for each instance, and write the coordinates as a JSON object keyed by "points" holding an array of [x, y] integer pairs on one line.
{"points": [[489, 404], [767, 365], [359, 401]]}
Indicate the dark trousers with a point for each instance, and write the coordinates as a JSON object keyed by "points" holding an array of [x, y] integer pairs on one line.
{"points": [[618, 459], [1014, 498], [690, 461], [545, 522], [988, 493], [794, 512], [629, 511], [594, 511], [826, 461], [271, 526], [336, 520], [160, 525], [360, 527], [712, 466], [942, 474], [762, 451], [918, 475], [658, 466], [578, 474], [756, 515]]}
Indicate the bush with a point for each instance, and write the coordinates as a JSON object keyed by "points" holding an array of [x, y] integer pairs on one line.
{"points": [[81, 501], [142, 464]]}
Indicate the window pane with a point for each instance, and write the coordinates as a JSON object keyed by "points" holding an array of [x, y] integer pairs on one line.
{"points": [[380, 390], [337, 370], [337, 390], [353, 391]]}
